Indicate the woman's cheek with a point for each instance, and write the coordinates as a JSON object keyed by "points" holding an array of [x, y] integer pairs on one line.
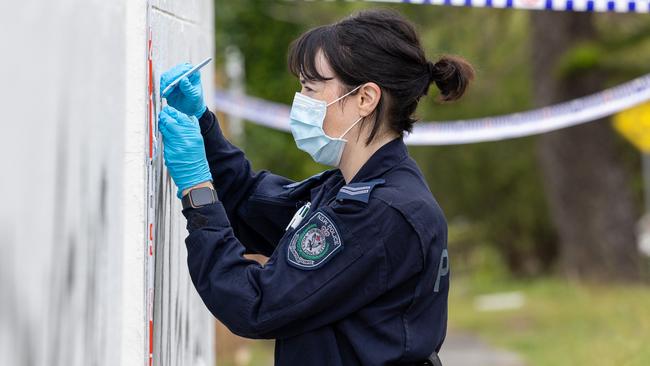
{"points": [[330, 125]]}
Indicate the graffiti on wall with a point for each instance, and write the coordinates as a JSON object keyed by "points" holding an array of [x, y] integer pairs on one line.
{"points": [[182, 327]]}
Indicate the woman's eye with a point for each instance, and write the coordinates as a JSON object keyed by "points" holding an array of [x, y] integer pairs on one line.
{"points": [[309, 89]]}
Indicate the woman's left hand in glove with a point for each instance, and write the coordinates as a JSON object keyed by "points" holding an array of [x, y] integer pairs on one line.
{"points": [[184, 151], [187, 96]]}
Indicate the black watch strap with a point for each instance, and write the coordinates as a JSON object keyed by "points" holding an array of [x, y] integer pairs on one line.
{"points": [[198, 197]]}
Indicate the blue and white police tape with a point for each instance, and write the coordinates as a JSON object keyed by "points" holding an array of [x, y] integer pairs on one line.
{"points": [[619, 6], [537, 121]]}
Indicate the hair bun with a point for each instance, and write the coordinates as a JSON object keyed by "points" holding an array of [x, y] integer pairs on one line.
{"points": [[452, 75]]}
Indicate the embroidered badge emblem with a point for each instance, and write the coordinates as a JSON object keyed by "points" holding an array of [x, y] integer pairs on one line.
{"points": [[314, 243]]}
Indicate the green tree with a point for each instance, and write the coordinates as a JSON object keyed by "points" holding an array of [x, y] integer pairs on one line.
{"points": [[586, 182]]}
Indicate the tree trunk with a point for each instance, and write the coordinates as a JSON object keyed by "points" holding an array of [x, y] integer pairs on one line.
{"points": [[586, 186]]}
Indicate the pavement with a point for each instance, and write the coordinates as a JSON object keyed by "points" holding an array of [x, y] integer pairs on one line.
{"points": [[464, 349]]}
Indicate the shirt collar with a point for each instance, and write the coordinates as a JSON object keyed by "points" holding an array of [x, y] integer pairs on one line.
{"points": [[386, 157]]}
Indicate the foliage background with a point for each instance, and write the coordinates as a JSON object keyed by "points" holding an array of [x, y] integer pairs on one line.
{"points": [[491, 192]]}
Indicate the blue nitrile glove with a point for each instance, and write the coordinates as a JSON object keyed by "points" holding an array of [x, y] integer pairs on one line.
{"points": [[183, 149], [186, 96]]}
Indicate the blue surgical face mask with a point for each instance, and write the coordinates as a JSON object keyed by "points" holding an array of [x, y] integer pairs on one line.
{"points": [[306, 122]]}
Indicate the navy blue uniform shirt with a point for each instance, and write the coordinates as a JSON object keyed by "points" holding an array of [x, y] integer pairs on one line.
{"points": [[362, 280]]}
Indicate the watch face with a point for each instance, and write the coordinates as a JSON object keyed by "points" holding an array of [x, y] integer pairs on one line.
{"points": [[201, 196]]}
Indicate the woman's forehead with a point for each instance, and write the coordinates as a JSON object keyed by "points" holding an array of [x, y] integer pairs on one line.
{"points": [[322, 67]]}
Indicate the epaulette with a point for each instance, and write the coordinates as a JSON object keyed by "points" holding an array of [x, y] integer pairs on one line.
{"points": [[358, 191]]}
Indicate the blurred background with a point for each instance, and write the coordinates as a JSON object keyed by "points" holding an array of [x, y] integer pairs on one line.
{"points": [[549, 235], [545, 232]]}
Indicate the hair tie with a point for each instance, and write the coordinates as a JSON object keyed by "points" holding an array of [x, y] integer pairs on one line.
{"points": [[433, 73]]}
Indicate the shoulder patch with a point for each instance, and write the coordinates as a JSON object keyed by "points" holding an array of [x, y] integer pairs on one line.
{"points": [[358, 191], [314, 243]]}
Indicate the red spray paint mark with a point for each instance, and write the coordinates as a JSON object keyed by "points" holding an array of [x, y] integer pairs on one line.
{"points": [[151, 121], [150, 342], [150, 66], [150, 115], [151, 239]]}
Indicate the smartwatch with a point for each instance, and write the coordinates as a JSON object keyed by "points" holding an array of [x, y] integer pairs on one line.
{"points": [[199, 197]]}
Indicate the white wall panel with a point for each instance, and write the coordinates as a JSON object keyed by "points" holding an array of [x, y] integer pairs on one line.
{"points": [[63, 102], [73, 161]]}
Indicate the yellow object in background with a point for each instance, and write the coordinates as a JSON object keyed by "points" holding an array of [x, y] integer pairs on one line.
{"points": [[634, 125]]}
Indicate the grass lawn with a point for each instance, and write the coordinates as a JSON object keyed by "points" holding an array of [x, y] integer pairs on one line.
{"points": [[560, 323]]}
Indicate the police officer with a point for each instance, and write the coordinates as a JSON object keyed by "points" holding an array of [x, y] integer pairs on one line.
{"points": [[358, 268]]}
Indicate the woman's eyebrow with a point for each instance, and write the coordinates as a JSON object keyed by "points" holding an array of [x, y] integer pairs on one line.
{"points": [[304, 81]]}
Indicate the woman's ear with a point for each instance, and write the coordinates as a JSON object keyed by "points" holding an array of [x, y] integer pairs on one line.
{"points": [[368, 97]]}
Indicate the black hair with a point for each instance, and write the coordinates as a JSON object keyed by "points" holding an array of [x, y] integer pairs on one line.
{"points": [[380, 46]]}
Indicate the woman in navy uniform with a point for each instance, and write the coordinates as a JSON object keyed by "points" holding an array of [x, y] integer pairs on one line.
{"points": [[358, 269]]}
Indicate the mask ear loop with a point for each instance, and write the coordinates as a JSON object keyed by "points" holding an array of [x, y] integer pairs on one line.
{"points": [[349, 128], [357, 121], [343, 96]]}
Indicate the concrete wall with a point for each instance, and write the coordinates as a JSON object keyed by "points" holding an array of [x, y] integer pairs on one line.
{"points": [[74, 160]]}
